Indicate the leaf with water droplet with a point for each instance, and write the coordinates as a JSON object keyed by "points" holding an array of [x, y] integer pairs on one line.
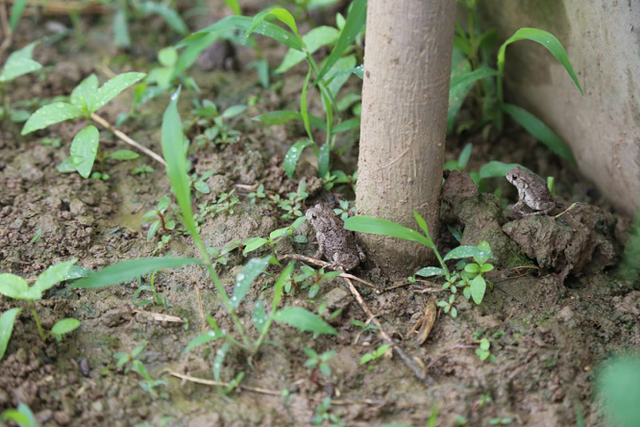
{"points": [[84, 148], [18, 64], [83, 95], [114, 87], [245, 278], [50, 114], [292, 156]]}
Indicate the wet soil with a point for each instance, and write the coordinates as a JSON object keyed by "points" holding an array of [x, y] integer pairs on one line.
{"points": [[548, 333]]}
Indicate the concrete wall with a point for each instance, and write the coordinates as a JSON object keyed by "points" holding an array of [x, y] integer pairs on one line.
{"points": [[602, 38]]}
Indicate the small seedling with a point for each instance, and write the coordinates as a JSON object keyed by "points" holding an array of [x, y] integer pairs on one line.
{"points": [[86, 99], [18, 64], [215, 124], [254, 243], [312, 278], [334, 178], [16, 287], [142, 170], [319, 361], [365, 327], [255, 195], [148, 384], [22, 416], [324, 416], [157, 297], [470, 276], [126, 359], [500, 421], [159, 219], [344, 210], [483, 351], [375, 355]]}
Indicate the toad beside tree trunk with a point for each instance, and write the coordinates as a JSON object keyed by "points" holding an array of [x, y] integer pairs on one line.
{"points": [[404, 109]]}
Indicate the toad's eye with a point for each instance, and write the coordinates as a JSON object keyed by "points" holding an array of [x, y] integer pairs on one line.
{"points": [[314, 216]]}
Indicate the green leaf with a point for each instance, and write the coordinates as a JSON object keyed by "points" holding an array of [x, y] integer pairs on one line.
{"points": [[496, 169], [293, 154], [121, 36], [466, 252], [244, 23], [234, 111], [16, 287], [253, 243], [128, 270], [219, 360], [353, 26], [50, 114], [539, 130], [83, 95], [304, 320], [430, 271], [339, 74], [423, 225], [465, 155], [168, 56], [204, 338], [277, 294], [283, 15], [21, 416], [16, 14], [324, 159], [53, 275], [371, 225], [84, 149], [259, 316], [346, 125], [173, 151], [19, 63], [546, 39], [478, 287], [460, 87], [278, 117], [303, 105], [65, 326], [7, 320], [234, 6], [124, 155], [114, 87], [245, 278], [314, 39], [170, 16]]}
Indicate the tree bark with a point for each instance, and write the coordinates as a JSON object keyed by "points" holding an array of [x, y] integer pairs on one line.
{"points": [[404, 108]]}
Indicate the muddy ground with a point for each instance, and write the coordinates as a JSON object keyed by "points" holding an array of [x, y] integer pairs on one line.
{"points": [[547, 335]]}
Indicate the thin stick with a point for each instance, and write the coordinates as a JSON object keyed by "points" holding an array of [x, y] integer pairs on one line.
{"points": [[324, 264], [123, 137], [270, 392], [411, 364], [4, 23], [204, 323]]}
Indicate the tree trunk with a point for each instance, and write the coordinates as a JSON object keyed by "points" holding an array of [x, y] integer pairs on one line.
{"points": [[404, 109]]}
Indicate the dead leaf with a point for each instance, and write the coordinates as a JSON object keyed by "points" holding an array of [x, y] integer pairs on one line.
{"points": [[423, 326]]}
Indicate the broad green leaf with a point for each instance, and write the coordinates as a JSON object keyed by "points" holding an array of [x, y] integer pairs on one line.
{"points": [[169, 15], [244, 23], [14, 18], [347, 125], [124, 155], [430, 271], [84, 149], [121, 36], [465, 155], [21, 416], [173, 151], [203, 339], [50, 114], [353, 26], [618, 388], [337, 75], [348, 100], [65, 326], [18, 64], [278, 117], [283, 15], [114, 87], [84, 94], [304, 320], [314, 39], [244, 279], [234, 111], [478, 288], [358, 71], [7, 320], [496, 169], [190, 55], [234, 6], [53, 275], [292, 156], [277, 294], [128, 270], [16, 287], [546, 39], [253, 243], [259, 316], [460, 87], [168, 56], [540, 131], [466, 252], [371, 225]]}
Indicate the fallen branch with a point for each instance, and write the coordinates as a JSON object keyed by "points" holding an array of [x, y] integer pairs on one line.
{"points": [[324, 264], [123, 137]]}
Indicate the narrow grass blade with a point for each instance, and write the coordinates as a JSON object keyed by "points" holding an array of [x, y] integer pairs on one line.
{"points": [[303, 105], [352, 27], [16, 14], [540, 131], [304, 320], [292, 156], [371, 225], [129, 270], [244, 279]]}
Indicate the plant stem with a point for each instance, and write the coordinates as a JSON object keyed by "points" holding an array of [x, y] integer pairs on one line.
{"points": [[38, 325], [123, 137]]}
